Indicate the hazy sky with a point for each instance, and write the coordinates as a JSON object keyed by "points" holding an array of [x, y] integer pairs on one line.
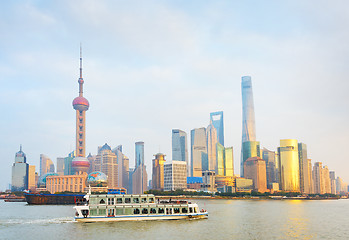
{"points": [[151, 66]]}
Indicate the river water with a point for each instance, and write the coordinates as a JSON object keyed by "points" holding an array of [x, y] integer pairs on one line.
{"points": [[228, 219]]}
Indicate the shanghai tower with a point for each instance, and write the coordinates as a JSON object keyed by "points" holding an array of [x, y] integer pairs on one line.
{"points": [[249, 146]]}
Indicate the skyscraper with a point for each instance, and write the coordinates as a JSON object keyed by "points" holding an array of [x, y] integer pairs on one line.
{"points": [[272, 163], [216, 118], [248, 121], [317, 178], [46, 165], [225, 161], [81, 105], [211, 142], [106, 162], [20, 170], [199, 159], [158, 172], [123, 167], [305, 186], [255, 169], [249, 149], [139, 154], [180, 147], [333, 182], [289, 165], [175, 175]]}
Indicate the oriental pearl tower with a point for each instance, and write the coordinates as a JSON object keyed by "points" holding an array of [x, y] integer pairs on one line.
{"points": [[81, 105]]}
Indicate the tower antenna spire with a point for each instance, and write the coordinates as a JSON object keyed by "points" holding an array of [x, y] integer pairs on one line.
{"points": [[80, 60]]}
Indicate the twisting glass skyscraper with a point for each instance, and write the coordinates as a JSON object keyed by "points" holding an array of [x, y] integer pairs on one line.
{"points": [[216, 118], [248, 121]]}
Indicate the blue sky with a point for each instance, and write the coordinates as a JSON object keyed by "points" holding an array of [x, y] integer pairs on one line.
{"points": [[150, 66]]}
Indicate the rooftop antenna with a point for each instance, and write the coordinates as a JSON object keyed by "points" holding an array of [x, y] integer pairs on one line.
{"points": [[80, 60]]}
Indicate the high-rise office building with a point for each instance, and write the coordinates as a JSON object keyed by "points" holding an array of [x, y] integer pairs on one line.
{"points": [[310, 175], [81, 105], [255, 169], [46, 165], [60, 166], [225, 161], [333, 182], [216, 118], [272, 164], [249, 149], [180, 147], [289, 165], [158, 172], [211, 142], [305, 185], [68, 163], [20, 172], [106, 162], [317, 178], [31, 178], [123, 167], [199, 159], [326, 179], [175, 175], [139, 154]]}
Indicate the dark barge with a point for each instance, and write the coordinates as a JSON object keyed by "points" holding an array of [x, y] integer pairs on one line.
{"points": [[53, 199]]}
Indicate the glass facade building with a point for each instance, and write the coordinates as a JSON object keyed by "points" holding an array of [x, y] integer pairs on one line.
{"points": [[304, 178], [225, 161], [216, 118], [272, 164], [289, 165], [20, 170], [199, 160], [211, 139], [180, 146], [249, 149], [139, 154]]}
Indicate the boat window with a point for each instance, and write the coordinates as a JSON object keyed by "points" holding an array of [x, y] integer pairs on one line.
{"points": [[144, 200], [151, 200], [110, 201], [128, 211], [184, 210], [161, 210], [168, 210], [191, 210], [119, 200], [93, 212], [195, 210], [101, 212], [136, 211], [127, 200], [153, 210], [135, 200], [111, 212], [145, 211], [102, 201], [119, 211], [176, 210]]}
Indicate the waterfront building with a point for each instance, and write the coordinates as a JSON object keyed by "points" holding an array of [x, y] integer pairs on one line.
{"points": [[333, 182], [158, 172], [60, 166], [272, 164], [326, 179], [249, 149], [20, 170], [211, 142], [243, 184], [46, 165], [310, 176], [97, 181], [130, 182], [175, 175], [139, 180], [123, 167], [341, 186], [248, 119], [68, 163], [81, 105], [106, 162], [179, 146], [31, 178], [70, 183], [255, 169], [317, 178], [199, 159], [139, 154], [216, 119], [289, 165], [225, 183], [194, 183], [209, 181], [305, 185], [224, 161]]}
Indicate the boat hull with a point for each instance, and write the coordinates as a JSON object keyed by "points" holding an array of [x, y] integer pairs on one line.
{"points": [[52, 199], [143, 217]]}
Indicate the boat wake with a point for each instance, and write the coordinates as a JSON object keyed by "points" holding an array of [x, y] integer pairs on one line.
{"points": [[36, 221]]}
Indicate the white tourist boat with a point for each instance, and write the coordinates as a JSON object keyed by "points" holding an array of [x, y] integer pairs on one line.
{"points": [[124, 207]]}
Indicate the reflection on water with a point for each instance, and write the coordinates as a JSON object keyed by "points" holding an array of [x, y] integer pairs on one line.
{"points": [[228, 219]]}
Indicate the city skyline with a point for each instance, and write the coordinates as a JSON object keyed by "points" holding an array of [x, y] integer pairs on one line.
{"points": [[184, 56]]}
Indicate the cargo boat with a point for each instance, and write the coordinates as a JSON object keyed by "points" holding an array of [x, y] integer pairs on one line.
{"points": [[53, 199], [126, 207]]}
